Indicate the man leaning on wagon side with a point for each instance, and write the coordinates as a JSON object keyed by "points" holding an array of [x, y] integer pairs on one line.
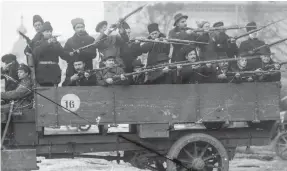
{"points": [[21, 94]]}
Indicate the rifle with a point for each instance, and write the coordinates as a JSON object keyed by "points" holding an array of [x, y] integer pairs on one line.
{"points": [[167, 41], [266, 45], [187, 42], [256, 72], [118, 25], [256, 30], [271, 66], [173, 65], [217, 28]]}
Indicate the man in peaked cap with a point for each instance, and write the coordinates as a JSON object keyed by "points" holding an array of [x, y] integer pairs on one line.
{"points": [[106, 76], [246, 47], [181, 32], [37, 24], [101, 26], [10, 68], [79, 39], [155, 49], [21, 94]]}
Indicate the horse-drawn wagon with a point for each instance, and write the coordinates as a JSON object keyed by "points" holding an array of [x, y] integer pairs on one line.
{"points": [[153, 112]]}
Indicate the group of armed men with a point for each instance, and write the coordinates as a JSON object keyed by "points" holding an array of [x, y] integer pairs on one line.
{"points": [[119, 56]]}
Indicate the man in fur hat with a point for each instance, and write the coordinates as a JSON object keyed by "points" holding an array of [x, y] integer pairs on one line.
{"points": [[107, 76], [10, 68], [79, 39], [81, 76], [253, 42], [154, 49], [180, 31], [37, 24], [21, 94], [223, 44], [47, 53]]}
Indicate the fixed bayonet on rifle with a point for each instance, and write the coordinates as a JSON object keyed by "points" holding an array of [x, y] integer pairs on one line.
{"points": [[256, 30]]}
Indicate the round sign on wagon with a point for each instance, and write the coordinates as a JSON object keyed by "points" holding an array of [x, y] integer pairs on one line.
{"points": [[71, 102]]}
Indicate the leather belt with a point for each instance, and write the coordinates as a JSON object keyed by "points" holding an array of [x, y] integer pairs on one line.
{"points": [[47, 62]]}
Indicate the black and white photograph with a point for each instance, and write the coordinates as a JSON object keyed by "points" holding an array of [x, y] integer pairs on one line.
{"points": [[143, 85]]}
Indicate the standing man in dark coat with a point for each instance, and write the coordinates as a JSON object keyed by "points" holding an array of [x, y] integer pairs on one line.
{"points": [[48, 72], [253, 42], [223, 44], [10, 69], [110, 42], [80, 38], [37, 24], [180, 32], [154, 49]]}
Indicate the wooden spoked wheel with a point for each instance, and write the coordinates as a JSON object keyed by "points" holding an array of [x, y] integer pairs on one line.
{"points": [[198, 152], [281, 146]]}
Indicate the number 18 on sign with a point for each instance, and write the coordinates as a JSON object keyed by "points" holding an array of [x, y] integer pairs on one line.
{"points": [[71, 102]]}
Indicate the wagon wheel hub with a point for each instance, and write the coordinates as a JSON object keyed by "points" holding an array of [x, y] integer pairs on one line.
{"points": [[198, 164]]}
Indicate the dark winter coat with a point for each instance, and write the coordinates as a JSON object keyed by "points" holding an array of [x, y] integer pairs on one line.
{"points": [[189, 75], [224, 47], [83, 81], [176, 33], [87, 55], [45, 52], [249, 45], [110, 73], [33, 43], [154, 49]]}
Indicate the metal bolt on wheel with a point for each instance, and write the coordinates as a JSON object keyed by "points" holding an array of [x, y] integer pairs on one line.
{"points": [[281, 146], [198, 152]]}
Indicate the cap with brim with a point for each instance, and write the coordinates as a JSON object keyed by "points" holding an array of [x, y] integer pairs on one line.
{"points": [[24, 68], [179, 16], [100, 25]]}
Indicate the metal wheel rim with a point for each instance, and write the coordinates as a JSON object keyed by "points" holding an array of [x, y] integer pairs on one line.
{"points": [[281, 146], [210, 154]]}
